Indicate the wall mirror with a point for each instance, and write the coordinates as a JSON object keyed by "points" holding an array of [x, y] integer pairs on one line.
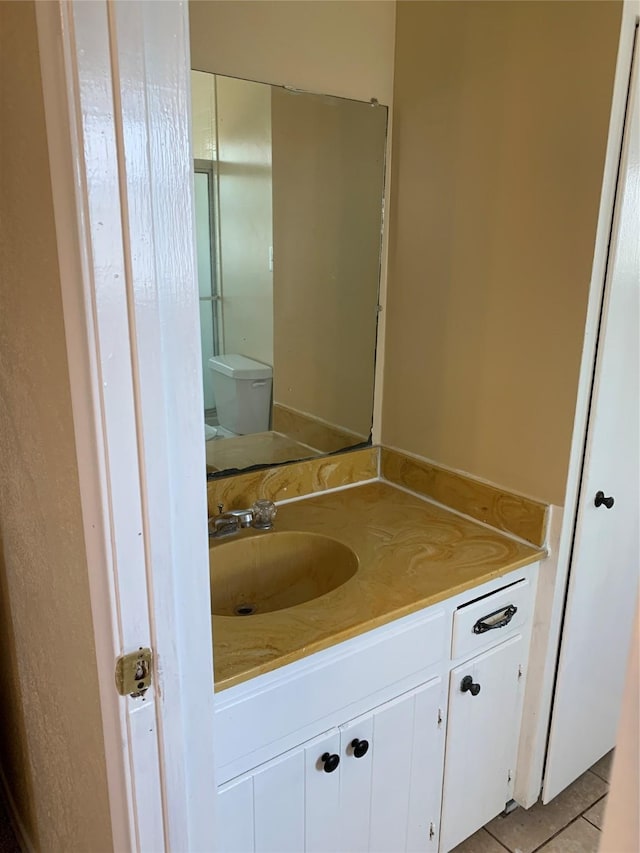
{"points": [[289, 192]]}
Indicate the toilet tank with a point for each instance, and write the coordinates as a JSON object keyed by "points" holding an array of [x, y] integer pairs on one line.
{"points": [[242, 391]]}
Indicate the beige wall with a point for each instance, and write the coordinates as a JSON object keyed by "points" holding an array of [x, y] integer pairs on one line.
{"points": [[342, 47], [328, 166], [51, 745], [500, 125]]}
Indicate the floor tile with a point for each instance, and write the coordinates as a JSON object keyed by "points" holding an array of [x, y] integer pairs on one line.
{"points": [[578, 837], [595, 815], [480, 842], [602, 768], [526, 830]]}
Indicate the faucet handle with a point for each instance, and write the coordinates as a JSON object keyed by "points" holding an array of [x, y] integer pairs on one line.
{"points": [[263, 514], [220, 508]]}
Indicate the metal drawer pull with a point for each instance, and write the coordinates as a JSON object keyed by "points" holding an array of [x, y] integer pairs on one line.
{"points": [[497, 619]]}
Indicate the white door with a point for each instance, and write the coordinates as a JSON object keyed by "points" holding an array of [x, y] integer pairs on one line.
{"points": [[116, 90], [603, 581], [482, 740]]}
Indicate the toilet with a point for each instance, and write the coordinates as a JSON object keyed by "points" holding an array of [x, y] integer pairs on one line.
{"points": [[242, 391]]}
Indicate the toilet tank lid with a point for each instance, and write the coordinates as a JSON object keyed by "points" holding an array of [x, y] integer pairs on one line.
{"points": [[240, 367]]}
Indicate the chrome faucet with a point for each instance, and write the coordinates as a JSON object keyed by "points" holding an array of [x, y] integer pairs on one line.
{"points": [[260, 516]]}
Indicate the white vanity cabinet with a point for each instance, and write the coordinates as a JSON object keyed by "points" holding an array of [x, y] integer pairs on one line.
{"points": [[344, 751], [485, 709], [371, 784]]}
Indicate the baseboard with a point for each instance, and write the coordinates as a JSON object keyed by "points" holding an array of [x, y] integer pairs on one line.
{"points": [[16, 824]]}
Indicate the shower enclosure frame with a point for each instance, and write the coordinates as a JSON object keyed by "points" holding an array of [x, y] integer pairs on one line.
{"points": [[209, 168]]}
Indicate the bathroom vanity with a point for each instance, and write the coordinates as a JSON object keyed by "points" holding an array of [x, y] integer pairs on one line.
{"points": [[385, 714]]}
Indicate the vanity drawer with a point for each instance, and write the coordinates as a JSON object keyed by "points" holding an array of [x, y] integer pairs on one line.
{"points": [[488, 620]]}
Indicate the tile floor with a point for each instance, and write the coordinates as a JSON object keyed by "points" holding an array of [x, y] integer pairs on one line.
{"points": [[571, 823]]}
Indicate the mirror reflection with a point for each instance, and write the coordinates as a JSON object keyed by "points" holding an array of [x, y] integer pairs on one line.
{"points": [[288, 196]]}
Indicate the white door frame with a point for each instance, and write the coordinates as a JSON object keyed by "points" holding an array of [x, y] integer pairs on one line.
{"points": [[116, 89], [551, 589]]}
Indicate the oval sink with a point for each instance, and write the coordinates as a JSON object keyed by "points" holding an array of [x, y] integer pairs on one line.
{"points": [[271, 571]]}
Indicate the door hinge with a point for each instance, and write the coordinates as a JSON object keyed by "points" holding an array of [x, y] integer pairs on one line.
{"points": [[133, 673], [439, 716], [508, 776], [519, 671], [432, 831]]}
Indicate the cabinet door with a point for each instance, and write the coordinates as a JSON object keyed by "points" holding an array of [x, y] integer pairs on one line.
{"points": [[234, 815], [482, 741], [355, 785], [288, 805], [278, 804], [390, 796], [322, 795]]}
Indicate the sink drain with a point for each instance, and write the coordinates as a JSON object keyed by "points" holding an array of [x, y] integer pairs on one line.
{"points": [[244, 609]]}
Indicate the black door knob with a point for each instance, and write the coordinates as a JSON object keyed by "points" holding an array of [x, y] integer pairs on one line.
{"points": [[360, 747], [600, 500], [467, 685], [330, 762]]}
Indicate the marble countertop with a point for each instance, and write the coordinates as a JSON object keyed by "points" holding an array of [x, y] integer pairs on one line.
{"points": [[412, 554]]}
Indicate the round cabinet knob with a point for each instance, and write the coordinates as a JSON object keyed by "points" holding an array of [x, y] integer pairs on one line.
{"points": [[360, 747], [600, 500], [467, 686], [329, 761]]}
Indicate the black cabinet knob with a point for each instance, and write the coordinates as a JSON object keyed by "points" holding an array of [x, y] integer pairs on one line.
{"points": [[467, 686], [600, 500], [329, 761], [360, 747]]}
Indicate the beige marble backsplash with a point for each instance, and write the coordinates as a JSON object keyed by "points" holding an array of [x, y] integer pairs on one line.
{"points": [[506, 511], [293, 480], [325, 437]]}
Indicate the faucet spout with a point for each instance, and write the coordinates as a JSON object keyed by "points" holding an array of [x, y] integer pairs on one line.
{"points": [[260, 516], [223, 525]]}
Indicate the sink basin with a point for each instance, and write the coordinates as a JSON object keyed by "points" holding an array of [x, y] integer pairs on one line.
{"points": [[264, 572]]}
